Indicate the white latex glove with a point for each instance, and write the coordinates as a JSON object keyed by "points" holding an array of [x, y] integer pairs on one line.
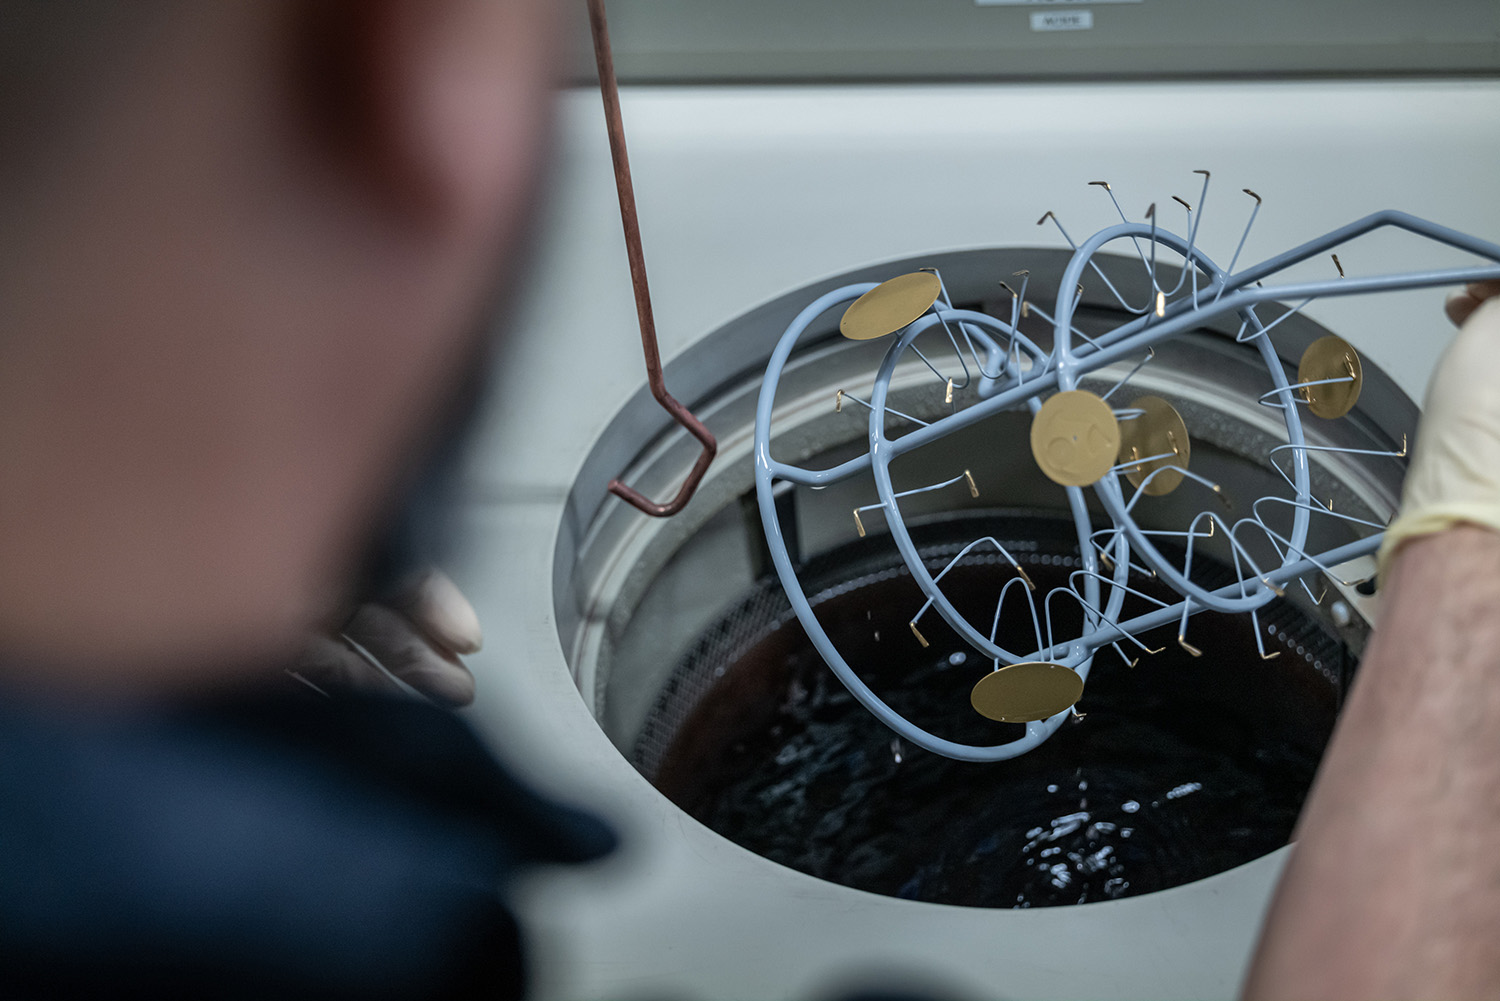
{"points": [[417, 637], [1454, 477]]}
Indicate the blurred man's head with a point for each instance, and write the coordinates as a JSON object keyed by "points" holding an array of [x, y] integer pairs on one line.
{"points": [[245, 246]]}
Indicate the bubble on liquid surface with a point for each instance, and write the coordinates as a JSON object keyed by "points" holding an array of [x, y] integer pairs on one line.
{"points": [[802, 774]]}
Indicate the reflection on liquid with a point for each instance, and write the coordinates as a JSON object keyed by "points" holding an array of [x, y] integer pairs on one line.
{"points": [[1184, 767]]}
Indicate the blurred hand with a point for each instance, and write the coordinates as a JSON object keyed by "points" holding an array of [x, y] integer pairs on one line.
{"points": [[1462, 303], [1454, 477], [417, 637]]}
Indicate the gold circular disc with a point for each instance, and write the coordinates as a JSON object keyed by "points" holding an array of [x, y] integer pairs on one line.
{"points": [[1158, 431], [1025, 692], [1075, 438], [1330, 357], [889, 306]]}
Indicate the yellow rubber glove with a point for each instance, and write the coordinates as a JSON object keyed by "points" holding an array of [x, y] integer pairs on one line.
{"points": [[1454, 477]]}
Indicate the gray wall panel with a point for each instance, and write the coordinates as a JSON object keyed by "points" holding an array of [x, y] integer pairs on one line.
{"points": [[799, 40]]}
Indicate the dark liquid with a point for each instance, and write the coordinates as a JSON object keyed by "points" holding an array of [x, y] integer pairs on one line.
{"points": [[1180, 768]]}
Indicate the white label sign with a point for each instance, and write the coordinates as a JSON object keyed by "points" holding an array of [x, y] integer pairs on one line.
{"points": [[1045, 3], [1070, 20]]}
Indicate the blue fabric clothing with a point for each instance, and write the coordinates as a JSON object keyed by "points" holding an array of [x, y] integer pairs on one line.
{"points": [[264, 847]]}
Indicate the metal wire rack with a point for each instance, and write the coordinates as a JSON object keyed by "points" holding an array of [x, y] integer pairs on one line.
{"points": [[1126, 452]]}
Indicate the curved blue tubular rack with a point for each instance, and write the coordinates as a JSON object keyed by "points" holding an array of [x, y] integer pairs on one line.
{"points": [[1013, 372]]}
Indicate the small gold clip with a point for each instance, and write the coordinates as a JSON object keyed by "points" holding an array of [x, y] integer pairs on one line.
{"points": [[1252, 195], [1270, 656], [1402, 454], [1101, 184], [918, 634], [859, 524], [1021, 570], [1338, 265], [1184, 204], [838, 402], [1161, 304], [973, 488], [1044, 218], [948, 397], [1182, 640]]}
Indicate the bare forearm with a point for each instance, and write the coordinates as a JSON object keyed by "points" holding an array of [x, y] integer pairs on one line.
{"points": [[1393, 889]]}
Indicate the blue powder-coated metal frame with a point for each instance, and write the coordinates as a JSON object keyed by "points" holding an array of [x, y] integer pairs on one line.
{"points": [[1007, 381]]}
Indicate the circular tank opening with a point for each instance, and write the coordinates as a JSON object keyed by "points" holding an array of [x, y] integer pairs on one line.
{"points": [[1174, 769], [1177, 768]]}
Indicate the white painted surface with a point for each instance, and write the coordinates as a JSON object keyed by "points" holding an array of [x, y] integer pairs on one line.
{"points": [[745, 194]]}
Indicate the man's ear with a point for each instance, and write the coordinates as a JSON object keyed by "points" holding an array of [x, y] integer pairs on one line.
{"points": [[437, 104]]}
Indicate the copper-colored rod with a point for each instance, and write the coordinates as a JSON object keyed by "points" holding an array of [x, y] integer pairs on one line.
{"points": [[611, 91]]}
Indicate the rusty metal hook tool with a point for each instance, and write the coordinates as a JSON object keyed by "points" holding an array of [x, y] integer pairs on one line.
{"points": [[611, 92]]}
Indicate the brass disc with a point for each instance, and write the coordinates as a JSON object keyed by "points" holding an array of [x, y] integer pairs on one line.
{"points": [[891, 305], [1075, 438], [1025, 692], [1330, 357], [1158, 431]]}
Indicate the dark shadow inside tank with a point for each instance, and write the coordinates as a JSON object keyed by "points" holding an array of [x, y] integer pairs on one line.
{"points": [[1173, 769]]}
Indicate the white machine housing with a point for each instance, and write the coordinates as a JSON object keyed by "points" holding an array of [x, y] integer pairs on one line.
{"points": [[747, 192]]}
